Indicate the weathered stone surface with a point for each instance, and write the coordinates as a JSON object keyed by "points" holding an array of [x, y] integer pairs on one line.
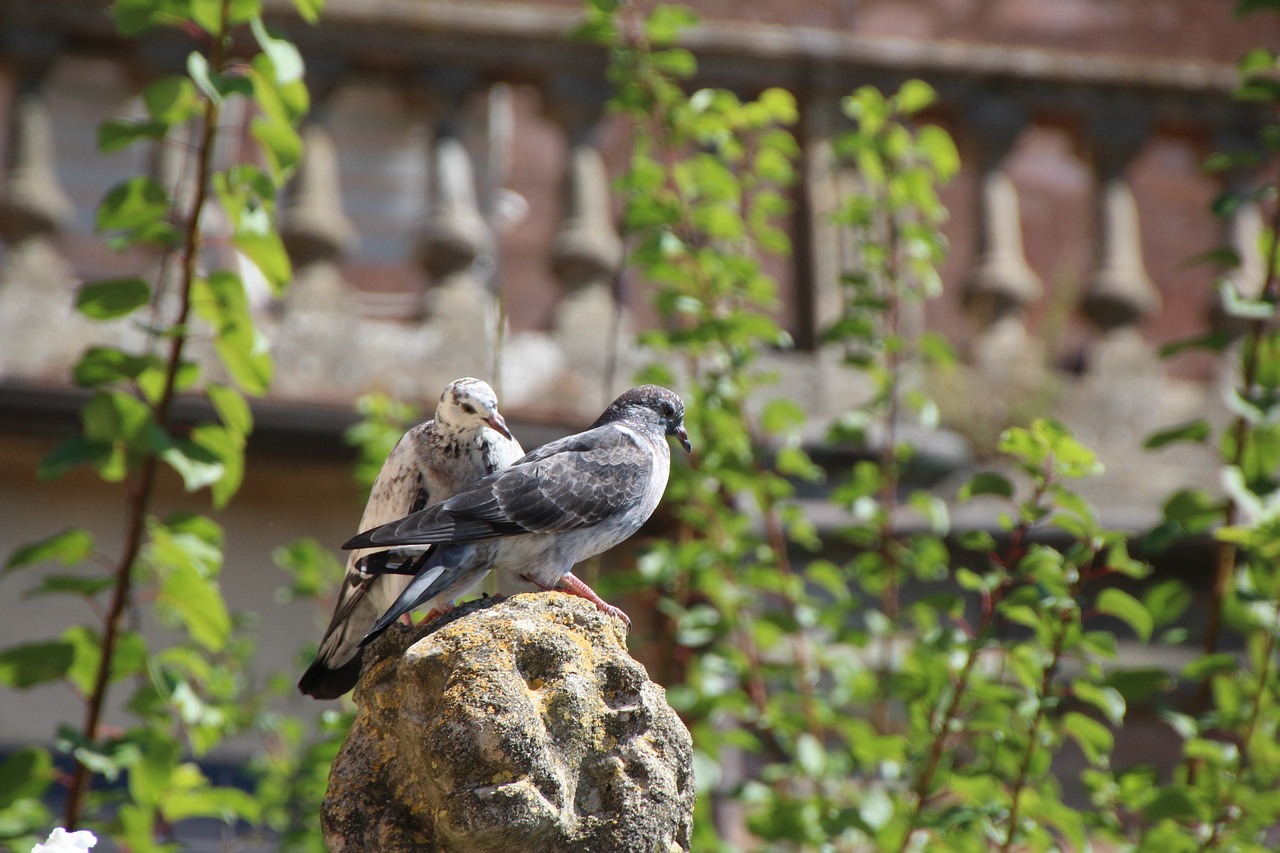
{"points": [[513, 724]]}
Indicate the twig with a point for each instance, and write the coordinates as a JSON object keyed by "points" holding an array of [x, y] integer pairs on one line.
{"points": [[141, 485]]}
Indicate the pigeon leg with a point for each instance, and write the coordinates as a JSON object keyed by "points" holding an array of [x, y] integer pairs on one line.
{"points": [[572, 584], [437, 612]]}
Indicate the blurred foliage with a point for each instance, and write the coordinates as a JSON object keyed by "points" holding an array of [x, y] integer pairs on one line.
{"points": [[190, 685], [915, 695]]}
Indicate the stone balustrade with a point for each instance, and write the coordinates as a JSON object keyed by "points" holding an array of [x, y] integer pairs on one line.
{"points": [[454, 212]]}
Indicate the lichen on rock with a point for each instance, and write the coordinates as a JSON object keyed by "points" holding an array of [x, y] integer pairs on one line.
{"points": [[518, 724]]}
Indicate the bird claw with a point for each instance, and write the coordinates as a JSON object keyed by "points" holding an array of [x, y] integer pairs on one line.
{"points": [[574, 585], [436, 612]]}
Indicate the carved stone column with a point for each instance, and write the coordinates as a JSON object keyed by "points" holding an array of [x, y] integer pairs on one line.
{"points": [[1118, 292], [460, 308], [35, 281], [315, 229], [588, 250], [1001, 284], [1124, 388], [317, 343]]}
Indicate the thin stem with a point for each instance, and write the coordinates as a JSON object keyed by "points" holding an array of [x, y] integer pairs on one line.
{"points": [[140, 486], [1033, 735], [1227, 551], [888, 460], [937, 748]]}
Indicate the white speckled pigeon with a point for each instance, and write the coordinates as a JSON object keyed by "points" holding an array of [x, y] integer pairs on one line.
{"points": [[566, 501], [434, 461]]}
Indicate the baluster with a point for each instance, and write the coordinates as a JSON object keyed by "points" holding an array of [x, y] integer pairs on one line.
{"points": [[1243, 228], [1118, 292], [1001, 284], [1125, 384], [316, 336], [590, 324], [827, 183], [314, 226], [460, 306], [35, 280], [33, 204]]}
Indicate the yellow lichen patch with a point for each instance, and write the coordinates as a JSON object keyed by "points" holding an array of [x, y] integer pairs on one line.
{"points": [[530, 721]]}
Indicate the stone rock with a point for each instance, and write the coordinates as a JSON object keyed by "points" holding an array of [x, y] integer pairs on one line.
{"points": [[510, 725]]}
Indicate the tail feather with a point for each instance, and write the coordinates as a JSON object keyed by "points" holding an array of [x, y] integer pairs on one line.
{"points": [[337, 664], [450, 571], [323, 682], [394, 561]]}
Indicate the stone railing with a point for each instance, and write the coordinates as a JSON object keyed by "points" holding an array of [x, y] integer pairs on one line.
{"points": [[454, 147]]}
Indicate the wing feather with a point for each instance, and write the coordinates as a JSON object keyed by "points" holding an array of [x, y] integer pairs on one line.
{"points": [[569, 484]]}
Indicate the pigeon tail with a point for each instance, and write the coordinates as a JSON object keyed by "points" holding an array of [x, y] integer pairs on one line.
{"points": [[321, 681], [442, 571], [393, 561]]}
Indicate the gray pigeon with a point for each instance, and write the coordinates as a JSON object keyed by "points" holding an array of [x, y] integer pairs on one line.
{"points": [[566, 501], [434, 461]]}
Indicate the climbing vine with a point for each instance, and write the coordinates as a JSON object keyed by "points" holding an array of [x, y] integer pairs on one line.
{"points": [[185, 694]]}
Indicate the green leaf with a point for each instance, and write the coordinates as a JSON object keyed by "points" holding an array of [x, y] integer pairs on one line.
{"points": [[150, 779], [940, 150], [30, 664], [128, 659], [227, 446], [268, 254], [171, 100], [1172, 803], [132, 204], [228, 804], [26, 774], [221, 301], [102, 365], [283, 55], [187, 565], [1122, 605], [110, 298], [1108, 700], [1167, 601], [667, 21], [232, 408], [69, 547], [675, 61], [134, 17], [200, 73], [87, 586], [1209, 665], [309, 10], [1215, 341], [986, 483], [197, 466], [1235, 304], [73, 452], [115, 134], [1195, 431], [1095, 739], [280, 143], [914, 95]]}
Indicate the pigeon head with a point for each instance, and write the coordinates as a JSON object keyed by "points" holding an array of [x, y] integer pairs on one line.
{"points": [[470, 404], [650, 405]]}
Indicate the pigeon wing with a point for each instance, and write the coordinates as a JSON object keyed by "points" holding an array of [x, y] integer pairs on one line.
{"points": [[576, 482]]}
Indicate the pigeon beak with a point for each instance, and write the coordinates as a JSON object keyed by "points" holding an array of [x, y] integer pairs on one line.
{"points": [[679, 432], [497, 424]]}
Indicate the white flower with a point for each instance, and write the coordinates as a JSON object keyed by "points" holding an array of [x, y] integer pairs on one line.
{"points": [[61, 841]]}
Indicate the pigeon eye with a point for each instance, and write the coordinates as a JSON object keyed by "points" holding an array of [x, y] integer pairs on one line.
{"points": [[468, 408], [666, 409]]}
